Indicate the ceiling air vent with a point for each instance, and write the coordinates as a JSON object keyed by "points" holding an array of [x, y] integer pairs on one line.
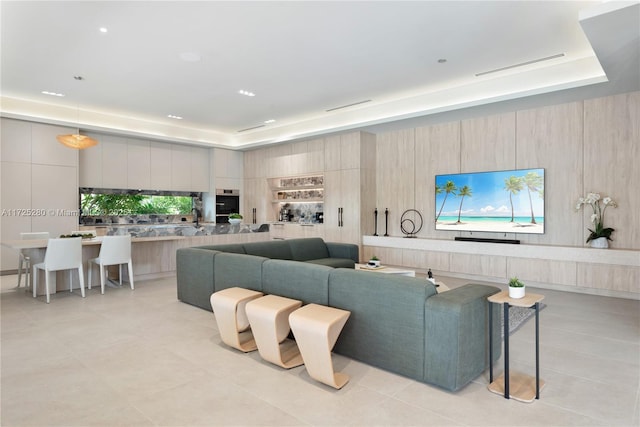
{"points": [[522, 64], [348, 105], [251, 128]]}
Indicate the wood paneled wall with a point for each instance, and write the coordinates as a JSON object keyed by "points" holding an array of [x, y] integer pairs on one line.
{"points": [[591, 145]]}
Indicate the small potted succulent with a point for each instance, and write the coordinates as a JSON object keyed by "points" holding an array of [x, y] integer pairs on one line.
{"points": [[516, 288], [374, 262], [235, 218]]}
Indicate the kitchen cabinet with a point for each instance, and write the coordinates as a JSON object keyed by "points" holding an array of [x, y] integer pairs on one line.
{"points": [[256, 209], [160, 165], [114, 161], [180, 167], [287, 230], [349, 187], [199, 169], [138, 164]]}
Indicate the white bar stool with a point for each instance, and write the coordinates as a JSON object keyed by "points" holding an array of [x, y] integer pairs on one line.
{"points": [[316, 329], [269, 318], [229, 308]]}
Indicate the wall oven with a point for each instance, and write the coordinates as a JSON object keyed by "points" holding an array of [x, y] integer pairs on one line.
{"points": [[227, 202]]}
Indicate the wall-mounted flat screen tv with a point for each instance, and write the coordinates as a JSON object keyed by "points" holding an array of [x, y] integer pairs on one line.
{"points": [[510, 201]]}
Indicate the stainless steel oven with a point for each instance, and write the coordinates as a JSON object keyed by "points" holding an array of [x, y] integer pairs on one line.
{"points": [[227, 202]]}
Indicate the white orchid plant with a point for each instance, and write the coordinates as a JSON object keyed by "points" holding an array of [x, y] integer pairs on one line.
{"points": [[597, 218]]}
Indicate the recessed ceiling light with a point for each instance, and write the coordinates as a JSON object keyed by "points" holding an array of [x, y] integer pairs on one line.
{"points": [[171, 116], [442, 61], [246, 92], [269, 121], [46, 92], [103, 30]]}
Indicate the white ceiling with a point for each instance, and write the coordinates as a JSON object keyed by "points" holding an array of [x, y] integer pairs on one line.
{"points": [[299, 58]]}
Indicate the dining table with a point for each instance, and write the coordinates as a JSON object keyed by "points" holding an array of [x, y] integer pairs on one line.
{"points": [[36, 249]]}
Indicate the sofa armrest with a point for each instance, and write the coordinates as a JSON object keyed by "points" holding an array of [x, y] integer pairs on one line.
{"points": [[343, 250], [194, 276], [459, 321]]}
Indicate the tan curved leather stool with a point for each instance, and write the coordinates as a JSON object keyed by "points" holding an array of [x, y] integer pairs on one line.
{"points": [[269, 319], [229, 307], [316, 329]]}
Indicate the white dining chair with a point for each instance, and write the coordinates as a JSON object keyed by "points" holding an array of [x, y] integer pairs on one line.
{"points": [[115, 250], [24, 262], [62, 254]]}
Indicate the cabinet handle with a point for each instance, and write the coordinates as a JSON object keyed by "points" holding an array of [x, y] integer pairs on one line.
{"points": [[253, 212], [340, 223]]}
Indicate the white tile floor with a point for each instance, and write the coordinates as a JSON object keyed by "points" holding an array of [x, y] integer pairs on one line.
{"points": [[141, 357]]}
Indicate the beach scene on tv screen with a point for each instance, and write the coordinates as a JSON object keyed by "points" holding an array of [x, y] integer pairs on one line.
{"points": [[509, 201]]}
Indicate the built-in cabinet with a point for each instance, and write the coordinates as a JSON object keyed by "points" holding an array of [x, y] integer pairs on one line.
{"points": [[130, 163], [39, 183], [350, 186]]}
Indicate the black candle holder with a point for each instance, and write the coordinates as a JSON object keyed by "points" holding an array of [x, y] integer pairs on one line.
{"points": [[375, 222], [386, 221]]}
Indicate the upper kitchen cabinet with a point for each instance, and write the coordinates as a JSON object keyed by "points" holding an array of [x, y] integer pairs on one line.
{"points": [[199, 169], [46, 150], [90, 170], [254, 164], [138, 164], [16, 141], [180, 168], [160, 164], [343, 151], [114, 161], [307, 157], [228, 163]]}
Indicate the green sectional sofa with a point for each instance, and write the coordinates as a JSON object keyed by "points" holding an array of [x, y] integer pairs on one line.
{"points": [[397, 323]]}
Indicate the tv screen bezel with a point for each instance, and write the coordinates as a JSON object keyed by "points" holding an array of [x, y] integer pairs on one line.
{"points": [[490, 226]]}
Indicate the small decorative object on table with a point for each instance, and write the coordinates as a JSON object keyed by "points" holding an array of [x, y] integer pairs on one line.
{"points": [[235, 218], [516, 288], [374, 262], [600, 235], [430, 277]]}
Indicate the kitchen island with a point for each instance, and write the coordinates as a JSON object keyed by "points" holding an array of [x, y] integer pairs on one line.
{"points": [[152, 256]]}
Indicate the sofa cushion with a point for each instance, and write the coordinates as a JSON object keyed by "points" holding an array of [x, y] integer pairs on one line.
{"points": [[243, 271], [334, 262], [305, 282], [386, 326], [236, 248], [274, 249], [308, 249]]}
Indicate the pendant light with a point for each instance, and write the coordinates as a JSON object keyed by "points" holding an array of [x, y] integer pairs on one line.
{"points": [[75, 140]]}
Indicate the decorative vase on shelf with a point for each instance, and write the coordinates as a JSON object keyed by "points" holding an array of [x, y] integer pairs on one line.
{"points": [[600, 243]]}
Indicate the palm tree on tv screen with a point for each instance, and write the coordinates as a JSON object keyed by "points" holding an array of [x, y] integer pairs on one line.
{"points": [[513, 185], [464, 191], [534, 183], [449, 188]]}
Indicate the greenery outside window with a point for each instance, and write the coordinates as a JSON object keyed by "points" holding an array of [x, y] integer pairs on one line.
{"points": [[100, 202]]}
